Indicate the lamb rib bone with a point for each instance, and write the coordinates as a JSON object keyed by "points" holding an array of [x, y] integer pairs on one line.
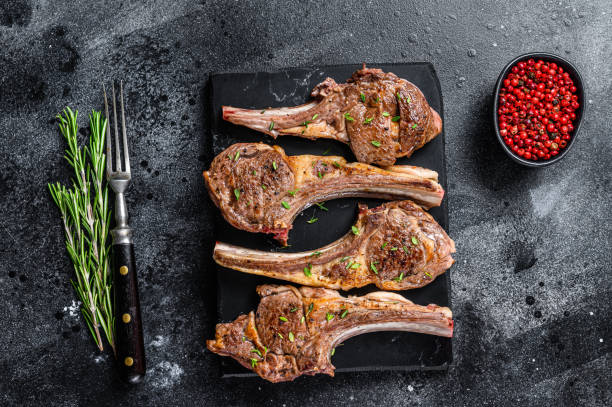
{"points": [[295, 330], [396, 246], [258, 188]]}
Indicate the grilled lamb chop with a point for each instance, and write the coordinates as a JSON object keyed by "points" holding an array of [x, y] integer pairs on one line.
{"points": [[260, 189], [381, 116], [396, 246], [295, 330]]}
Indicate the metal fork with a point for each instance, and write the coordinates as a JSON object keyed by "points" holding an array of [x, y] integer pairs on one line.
{"points": [[129, 341]]}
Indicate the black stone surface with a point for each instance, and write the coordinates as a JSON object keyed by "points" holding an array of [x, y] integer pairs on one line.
{"points": [[236, 291], [531, 286]]}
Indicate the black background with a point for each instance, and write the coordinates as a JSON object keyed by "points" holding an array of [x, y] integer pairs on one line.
{"points": [[531, 286]]}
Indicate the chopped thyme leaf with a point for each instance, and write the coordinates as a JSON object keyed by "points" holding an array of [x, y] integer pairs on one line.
{"points": [[244, 339], [355, 266], [383, 246], [254, 172], [263, 187], [237, 156], [293, 309], [307, 270], [320, 205], [405, 249], [415, 241], [377, 99], [256, 351], [355, 230], [306, 123], [373, 268], [362, 97], [344, 259], [386, 114], [285, 205], [302, 319], [329, 316], [317, 253], [312, 220], [349, 264], [368, 120], [291, 337], [414, 126], [237, 193], [395, 119], [427, 274], [262, 112], [376, 143], [337, 164], [393, 249], [400, 277], [274, 165], [292, 193], [320, 175], [315, 116], [284, 319], [326, 151], [348, 117], [408, 100], [310, 307], [280, 335], [271, 125], [398, 96], [343, 314], [253, 362], [332, 352]]}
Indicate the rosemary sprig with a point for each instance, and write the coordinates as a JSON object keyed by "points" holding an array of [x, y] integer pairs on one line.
{"points": [[85, 212]]}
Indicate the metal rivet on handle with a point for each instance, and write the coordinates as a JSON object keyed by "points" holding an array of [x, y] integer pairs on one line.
{"points": [[128, 361], [123, 270], [126, 318]]}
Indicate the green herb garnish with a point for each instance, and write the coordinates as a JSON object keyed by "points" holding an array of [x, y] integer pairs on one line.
{"points": [[362, 97], [383, 246], [312, 220], [337, 164], [237, 156], [315, 116], [320, 175], [256, 351], [283, 319], [376, 143], [414, 240], [237, 193], [308, 270], [292, 193], [386, 114], [274, 165], [427, 274], [348, 117], [271, 126], [254, 172], [326, 151], [263, 187], [317, 253], [253, 363], [368, 120], [329, 316], [405, 249], [395, 118], [291, 337], [393, 249], [400, 277], [355, 266], [414, 126], [285, 205], [343, 315], [373, 267], [310, 307], [332, 352], [293, 309], [320, 205], [280, 335], [355, 230]]}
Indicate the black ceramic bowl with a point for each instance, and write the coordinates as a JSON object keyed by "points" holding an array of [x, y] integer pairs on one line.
{"points": [[574, 74]]}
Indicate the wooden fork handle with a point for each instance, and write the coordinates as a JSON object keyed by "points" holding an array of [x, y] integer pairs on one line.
{"points": [[129, 339]]}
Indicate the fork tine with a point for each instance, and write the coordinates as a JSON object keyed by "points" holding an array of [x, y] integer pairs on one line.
{"points": [[109, 156], [126, 155], [117, 152]]}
